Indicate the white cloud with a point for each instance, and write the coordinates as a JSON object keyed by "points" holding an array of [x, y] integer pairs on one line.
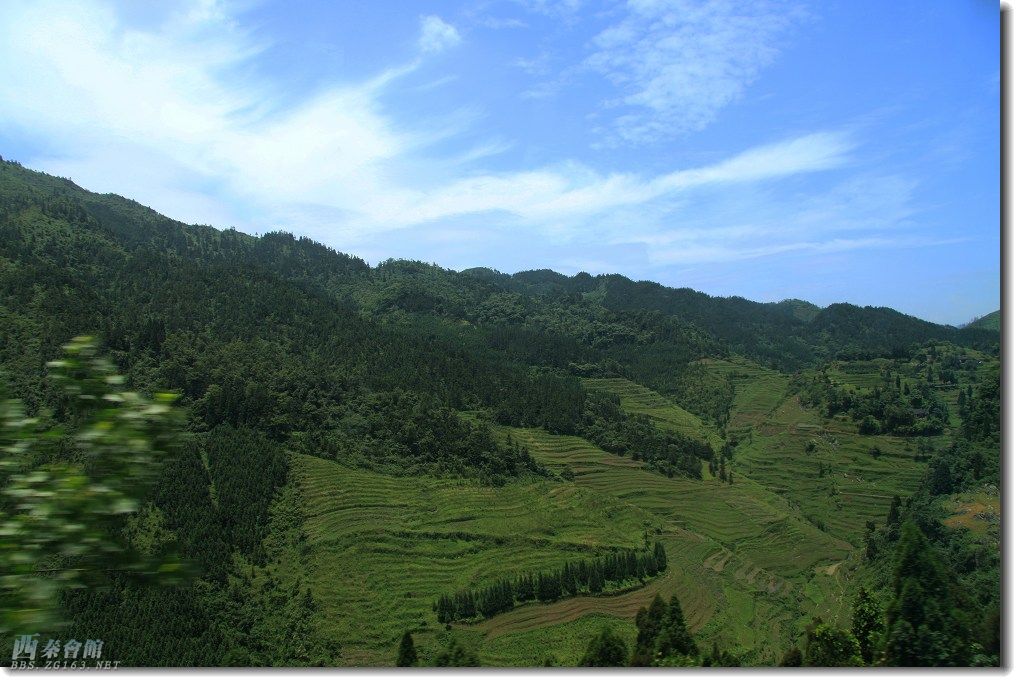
{"points": [[711, 254], [677, 63], [174, 100], [437, 35], [572, 192], [166, 116], [860, 213]]}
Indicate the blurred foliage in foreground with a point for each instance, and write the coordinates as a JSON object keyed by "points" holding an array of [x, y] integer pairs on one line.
{"points": [[70, 479]]}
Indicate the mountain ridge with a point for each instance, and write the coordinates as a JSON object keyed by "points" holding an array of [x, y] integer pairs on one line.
{"points": [[805, 309], [787, 334]]}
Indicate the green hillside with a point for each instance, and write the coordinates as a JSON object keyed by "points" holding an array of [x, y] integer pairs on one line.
{"points": [[990, 322], [356, 442]]}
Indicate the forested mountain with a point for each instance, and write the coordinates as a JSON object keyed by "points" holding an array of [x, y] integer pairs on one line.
{"points": [[297, 364]]}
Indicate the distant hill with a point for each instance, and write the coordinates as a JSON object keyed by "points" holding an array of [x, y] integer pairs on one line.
{"points": [[607, 314], [991, 322], [787, 335]]}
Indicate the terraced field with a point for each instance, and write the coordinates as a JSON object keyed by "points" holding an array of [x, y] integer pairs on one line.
{"points": [[741, 542], [757, 391], [638, 399], [865, 375], [727, 513], [826, 468], [752, 561], [383, 548], [542, 625]]}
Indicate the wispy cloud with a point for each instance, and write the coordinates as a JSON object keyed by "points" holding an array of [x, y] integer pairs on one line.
{"points": [[861, 213], [168, 116], [437, 35], [677, 63], [571, 192], [175, 101]]}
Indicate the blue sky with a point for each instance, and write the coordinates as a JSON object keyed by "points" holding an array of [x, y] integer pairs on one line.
{"points": [[829, 151]]}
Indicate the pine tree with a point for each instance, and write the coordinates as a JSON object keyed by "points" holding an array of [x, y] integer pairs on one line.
{"points": [[445, 609], [924, 627], [569, 579], [649, 623], [525, 588], [660, 556], [674, 639], [465, 603], [605, 650], [549, 587], [489, 602], [632, 564], [595, 581], [651, 568], [893, 517], [407, 655], [507, 595], [870, 548]]}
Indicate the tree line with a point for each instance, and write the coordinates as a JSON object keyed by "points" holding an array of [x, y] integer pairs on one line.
{"points": [[592, 576]]}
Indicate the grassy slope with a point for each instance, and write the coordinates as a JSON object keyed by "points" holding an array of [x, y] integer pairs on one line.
{"points": [[739, 555], [383, 548], [667, 414], [837, 485], [751, 562]]}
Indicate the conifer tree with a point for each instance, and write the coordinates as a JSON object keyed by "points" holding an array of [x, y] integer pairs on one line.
{"points": [[923, 626], [595, 580], [605, 650], [660, 555], [649, 623], [674, 639], [526, 588], [893, 518], [569, 579], [407, 655]]}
